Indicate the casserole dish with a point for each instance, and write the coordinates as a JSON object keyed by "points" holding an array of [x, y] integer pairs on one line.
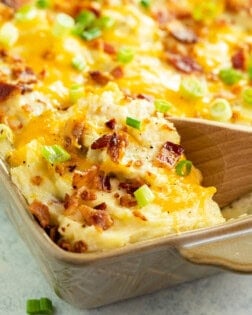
{"points": [[94, 279]]}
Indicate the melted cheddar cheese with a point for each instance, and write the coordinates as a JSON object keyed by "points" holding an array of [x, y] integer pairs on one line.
{"points": [[75, 87]]}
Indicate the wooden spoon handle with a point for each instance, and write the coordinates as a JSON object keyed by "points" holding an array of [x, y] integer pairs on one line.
{"points": [[222, 153]]}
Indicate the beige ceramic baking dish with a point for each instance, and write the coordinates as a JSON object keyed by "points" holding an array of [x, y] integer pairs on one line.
{"points": [[94, 279]]}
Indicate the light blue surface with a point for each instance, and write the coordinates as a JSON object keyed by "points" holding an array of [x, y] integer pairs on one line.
{"points": [[20, 279]]}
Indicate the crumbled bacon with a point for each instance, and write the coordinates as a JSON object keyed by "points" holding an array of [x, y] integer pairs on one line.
{"points": [[7, 90], [101, 142], [77, 131], [101, 206], [40, 212], [182, 33], [36, 180], [99, 77], [111, 123], [238, 60], [96, 217], [105, 180], [52, 232], [169, 153], [131, 185], [24, 75], [128, 201], [87, 195], [66, 245], [109, 49], [80, 247], [116, 146], [117, 72], [144, 97], [86, 178], [15, 4], [184, 63]]}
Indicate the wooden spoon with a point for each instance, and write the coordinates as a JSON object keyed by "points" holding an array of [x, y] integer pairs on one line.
{"points": [[222, 152]]}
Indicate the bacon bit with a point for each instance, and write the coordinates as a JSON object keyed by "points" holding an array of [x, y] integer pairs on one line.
{"points": [[139, 215], [99, 77], [36, 180], [99, 218], [66, 245], [145, 97], [80, 247], [71, 168], [101, 142], [52, 232], [101, 206], [131, 186], [238, 60], [25, 75], [184, 63], [237, 5], [116, 195], [169, 153], [162, 17], [15, 4], [183, 34], [117, 72], [77, 131], [116, 146], [88, 195], [106, 185], [7, 90], [111, 123], [40, 212], [109, 49], [86, 178], [3, 53], [127, 201]]}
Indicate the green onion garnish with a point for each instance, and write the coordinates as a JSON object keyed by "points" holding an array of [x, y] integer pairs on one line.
{"points": [[91, 33], [42, 306], [76, 91], [132, 122], [250, 68], [220, 110], [145, 3], [85, 19], [8, 34], [33, 306], [26, 13], [105, 22], [55, 154], [162, 105], [191, 88], [143, 196], [46, 306], [183, 168], [63, 24], [125, 55], [43, 4], [247, 96], [230, 76], [6, 133], [205, 10], [78, 63]]}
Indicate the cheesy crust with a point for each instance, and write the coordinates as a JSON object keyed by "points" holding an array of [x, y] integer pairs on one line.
{"points": [[100, 92]]}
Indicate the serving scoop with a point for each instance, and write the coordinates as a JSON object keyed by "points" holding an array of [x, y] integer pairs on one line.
{"points": [[222, 152]]}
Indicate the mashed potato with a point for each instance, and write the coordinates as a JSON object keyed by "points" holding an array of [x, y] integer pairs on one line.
{"points": [[86, 92]]}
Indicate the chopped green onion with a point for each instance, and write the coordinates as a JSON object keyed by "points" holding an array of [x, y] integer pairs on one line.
{"points": [[43, 4], [6, 133], [26, 13], [33, 306], [55, 154], [63, 24], [133, 123], [206, 10], [46, 306], [247, 96], [191, 88], [250, 69], [85, 19], [162, 105], [230, 76], [143, 196], [91, 33], [8, 34], [76, 91], [220, 110], [105, 22], [125, 55], [78, 63], [145, 3], [183, 168]]}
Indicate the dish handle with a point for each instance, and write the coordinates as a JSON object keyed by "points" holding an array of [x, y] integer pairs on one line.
{"points": [[228, 246]]}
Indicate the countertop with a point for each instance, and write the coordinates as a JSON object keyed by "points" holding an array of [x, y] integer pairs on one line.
{"points": [[20, 279]]}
